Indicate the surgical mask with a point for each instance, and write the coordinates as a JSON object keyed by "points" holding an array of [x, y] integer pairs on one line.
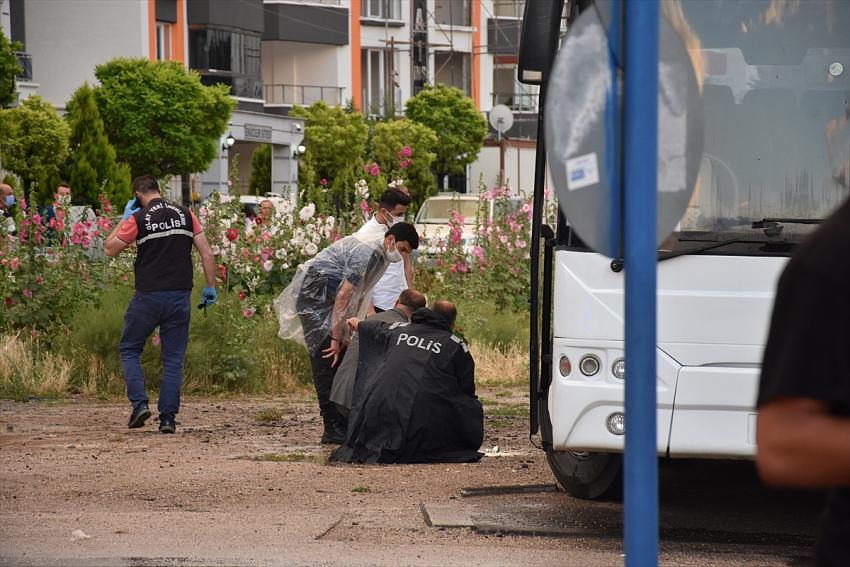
{"points": [[10, 200], [394, 256], [396, 220]]}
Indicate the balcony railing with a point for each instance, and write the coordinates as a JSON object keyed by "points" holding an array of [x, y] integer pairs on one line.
{"points": [[25, 61], [518, 101], [304, 95]]}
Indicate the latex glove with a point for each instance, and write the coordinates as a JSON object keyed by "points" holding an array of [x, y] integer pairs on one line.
{"points": [[131, 208], [209, 296]]}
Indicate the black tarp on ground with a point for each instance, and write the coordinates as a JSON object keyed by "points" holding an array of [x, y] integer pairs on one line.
{"points": [[415, 396]]}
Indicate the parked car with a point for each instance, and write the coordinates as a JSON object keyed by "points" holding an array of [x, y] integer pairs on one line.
{"points": [[251, 203], [432, 221]]}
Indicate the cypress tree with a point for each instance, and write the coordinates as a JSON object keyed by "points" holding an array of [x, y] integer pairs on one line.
{"points": [[91, 167]]}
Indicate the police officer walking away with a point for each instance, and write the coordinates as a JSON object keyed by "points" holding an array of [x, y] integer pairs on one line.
{"points": [[164, 234]]}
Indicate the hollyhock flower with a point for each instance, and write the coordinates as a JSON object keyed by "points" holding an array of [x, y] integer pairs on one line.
{"points": [[39, 280], [503, 239], [280, 254], [323, 182], [526, 208], [216, 250], [268, 265], [231, 234], [404, 164], [376, 171], [311, 249], [242, 296], [155, 340], [248, 312], [9, 302], [520, 243], [266, 235], [26, 292], [407, 151], [229, 183], [364, 206], [15, 263], [366, 168], [222, 271], [488, 196], [307, 212]]}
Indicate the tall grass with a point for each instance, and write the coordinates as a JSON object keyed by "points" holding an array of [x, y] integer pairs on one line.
{"points": [[27, 369]]}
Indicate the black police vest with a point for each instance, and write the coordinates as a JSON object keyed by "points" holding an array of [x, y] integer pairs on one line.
{"points": [[164, 247]]}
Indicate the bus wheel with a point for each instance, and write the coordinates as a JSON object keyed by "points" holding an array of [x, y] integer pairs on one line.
{"points": [[590, 476]]}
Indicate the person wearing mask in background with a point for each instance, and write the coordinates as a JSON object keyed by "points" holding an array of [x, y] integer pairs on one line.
{"points": [[803, 430], [419, 403], [328, 289], [392, 207], [266, 213], [164, 234], [343, 390], [7, 202]]}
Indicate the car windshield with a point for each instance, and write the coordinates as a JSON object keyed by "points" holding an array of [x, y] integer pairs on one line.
{"points": [[437, 211], [775, 86]]}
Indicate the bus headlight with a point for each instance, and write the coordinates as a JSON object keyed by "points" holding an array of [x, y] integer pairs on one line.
{"points": [[616, 423], [564, 366], [589, 365], [618, 369]]}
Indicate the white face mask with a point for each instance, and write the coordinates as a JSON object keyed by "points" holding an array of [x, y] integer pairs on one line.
{"points": [[396, 220], [394, 256]]}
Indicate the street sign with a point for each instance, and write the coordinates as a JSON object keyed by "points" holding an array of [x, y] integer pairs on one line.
{"points": [[584, 130]]}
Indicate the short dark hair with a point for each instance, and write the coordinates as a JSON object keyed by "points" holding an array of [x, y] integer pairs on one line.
{"points": [[146, 184], [412, 298], [404, 232], [63, 184], [446, 310], [392, 197]]}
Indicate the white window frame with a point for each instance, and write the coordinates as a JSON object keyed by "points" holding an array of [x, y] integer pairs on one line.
{"points": [[163, 41]]}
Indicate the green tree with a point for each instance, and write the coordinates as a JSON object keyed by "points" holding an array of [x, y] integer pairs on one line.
{"points": [[261, 170], [34, 144], [390, 143], [161, 119], [9, 68], [91, 168], [460, 127], [335, 142]]}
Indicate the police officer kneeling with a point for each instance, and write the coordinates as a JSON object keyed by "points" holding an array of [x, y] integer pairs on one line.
{"points": [[164, 234], [420, 404]]}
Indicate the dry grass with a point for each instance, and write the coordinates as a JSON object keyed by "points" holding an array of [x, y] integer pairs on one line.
{"points": [[496, 366], [26, 369]]}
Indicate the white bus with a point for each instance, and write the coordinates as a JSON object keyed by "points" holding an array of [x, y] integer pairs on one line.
{"points": [[776, 87]]}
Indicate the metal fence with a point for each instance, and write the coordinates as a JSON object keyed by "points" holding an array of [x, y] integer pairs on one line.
{"points": [[302, 94]]}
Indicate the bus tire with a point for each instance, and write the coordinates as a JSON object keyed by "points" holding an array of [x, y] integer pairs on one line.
{"points": [[589, 476]]}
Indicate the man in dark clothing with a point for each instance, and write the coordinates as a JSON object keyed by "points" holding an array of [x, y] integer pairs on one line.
{"points": [[344, 387], [803, 431], [328, 289], [164, 234], [419, 404]]}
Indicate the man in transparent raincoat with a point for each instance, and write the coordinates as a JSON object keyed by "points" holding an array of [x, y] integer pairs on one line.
{"points": [[325, 292]]}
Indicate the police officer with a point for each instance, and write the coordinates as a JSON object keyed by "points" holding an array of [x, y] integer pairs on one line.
{"points": [[164, 234]]}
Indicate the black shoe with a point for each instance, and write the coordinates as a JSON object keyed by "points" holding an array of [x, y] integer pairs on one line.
{"points": [[167, 424], [139, 416], [334, 433]]}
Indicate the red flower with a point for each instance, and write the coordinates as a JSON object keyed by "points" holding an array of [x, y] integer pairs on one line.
{"points": [[231, 234], [242, 296]]}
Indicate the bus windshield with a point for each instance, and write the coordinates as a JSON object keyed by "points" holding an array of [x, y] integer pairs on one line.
{"points": [[438, 211], [775, 79]]}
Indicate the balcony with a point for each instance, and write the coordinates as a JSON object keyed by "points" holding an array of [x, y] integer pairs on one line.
{"points": [[517, 101], [25, 61], [304, 95], [503, 35]]}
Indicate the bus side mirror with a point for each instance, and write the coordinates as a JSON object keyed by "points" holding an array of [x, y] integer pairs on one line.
{"points": [[541, 24]]}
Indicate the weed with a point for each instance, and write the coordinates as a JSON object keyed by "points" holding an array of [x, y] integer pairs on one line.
{"points": [[361, 490], [291, 458], [270, 414]]}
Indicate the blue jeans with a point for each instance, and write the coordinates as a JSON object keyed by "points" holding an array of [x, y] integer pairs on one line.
{"points": [[168, 310]]}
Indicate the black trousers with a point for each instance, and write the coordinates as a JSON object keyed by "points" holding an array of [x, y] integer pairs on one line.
{"points": [[314, 302]]}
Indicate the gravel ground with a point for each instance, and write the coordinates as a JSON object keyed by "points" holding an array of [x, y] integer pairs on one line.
{"points": [[229, 489]]}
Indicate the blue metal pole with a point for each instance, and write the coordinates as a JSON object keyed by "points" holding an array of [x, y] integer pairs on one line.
{"points": [[640, 158]]}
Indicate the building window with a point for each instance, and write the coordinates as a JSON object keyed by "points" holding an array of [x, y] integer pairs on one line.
{"points": [[509, 91], [453, 12], [451, 68], [508, 8], [163, 41], [226, 57], [381, 9]]}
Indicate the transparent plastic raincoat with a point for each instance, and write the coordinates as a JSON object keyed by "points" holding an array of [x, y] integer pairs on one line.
{"points": [[307, 308]]}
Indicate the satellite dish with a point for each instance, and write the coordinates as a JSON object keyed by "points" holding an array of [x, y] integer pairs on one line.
{"points": [[501, 119]]}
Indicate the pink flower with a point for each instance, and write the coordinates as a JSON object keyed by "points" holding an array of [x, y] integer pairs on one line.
{"points": [[323, 182], [526, 208], [407, 151], [39, 280], [366, 168], [248, 312], [14, 263], [229, 183], [404, 164], [488, 196], [520, 243], [266, 235], [503, 239], [26, 292], [242, 296], [155, 340], [364, 206], [376, 171]]}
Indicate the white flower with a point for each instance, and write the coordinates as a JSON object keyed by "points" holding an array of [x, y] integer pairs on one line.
{"points": [[391, 184], [285, 265], [268, 265], [311, 249], [216, 251], [280, 254], [307, 212]]}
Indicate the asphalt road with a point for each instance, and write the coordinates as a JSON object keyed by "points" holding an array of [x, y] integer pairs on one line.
{"points": [[244, 482]]}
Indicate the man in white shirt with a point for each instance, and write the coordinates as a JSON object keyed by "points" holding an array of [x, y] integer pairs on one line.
{"points": [[392, 207]]}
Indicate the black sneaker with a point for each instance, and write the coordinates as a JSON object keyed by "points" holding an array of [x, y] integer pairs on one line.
{"points": [[139, 416], [167, 424]]}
